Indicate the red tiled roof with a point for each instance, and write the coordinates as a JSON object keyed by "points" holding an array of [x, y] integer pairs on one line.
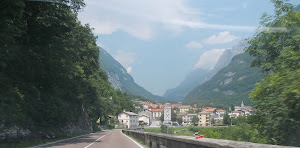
{"points": [[153, 106], [157, 110], [236, 111], [209, 110], [220, 110]]}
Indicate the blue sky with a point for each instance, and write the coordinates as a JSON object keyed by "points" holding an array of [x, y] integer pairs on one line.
{"points": [[160, 41]]}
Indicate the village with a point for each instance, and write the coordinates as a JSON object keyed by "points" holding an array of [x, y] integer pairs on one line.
{"points": [[148, 114]]}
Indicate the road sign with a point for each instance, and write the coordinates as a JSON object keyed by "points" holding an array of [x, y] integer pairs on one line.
{"points": [[167, 114], [98, 121]]}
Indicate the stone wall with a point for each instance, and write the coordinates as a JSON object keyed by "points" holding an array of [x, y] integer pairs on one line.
{"points": [[156, 140]]}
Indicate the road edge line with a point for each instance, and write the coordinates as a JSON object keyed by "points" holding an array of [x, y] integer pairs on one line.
{"points": [[62, 140], [141, 146], [96, 140]]}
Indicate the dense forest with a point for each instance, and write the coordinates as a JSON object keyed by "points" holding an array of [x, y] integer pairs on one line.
{"points": [[49, 67]]}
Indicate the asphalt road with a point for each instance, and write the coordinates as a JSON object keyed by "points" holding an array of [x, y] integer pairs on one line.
{"points": [[106, 139]]}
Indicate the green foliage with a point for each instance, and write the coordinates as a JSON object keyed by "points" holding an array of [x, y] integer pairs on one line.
{"points": [[180, 120], [277, 97], [195, 120], [49, 68], [242, 80], [226, 119], [153, 130], [164, 129], [241, 132]]}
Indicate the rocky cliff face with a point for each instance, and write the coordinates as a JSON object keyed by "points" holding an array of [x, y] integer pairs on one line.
{"points": [[199, 76], [230, 85], [120, 79], [17, 133]]}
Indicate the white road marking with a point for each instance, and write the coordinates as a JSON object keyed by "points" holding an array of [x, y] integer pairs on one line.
{"points": [[60, 140], [133, 140], [97, 140]]}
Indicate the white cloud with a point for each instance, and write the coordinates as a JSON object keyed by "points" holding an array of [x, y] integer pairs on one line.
{"points": [[221, 38], [208, 59], [129, 69], [193, 45], [138, 18], [125, 59], [142, 19]]}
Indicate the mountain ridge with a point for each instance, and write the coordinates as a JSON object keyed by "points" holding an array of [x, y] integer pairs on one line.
{"points": [[230, 85], [120, 79], [199, 76]]}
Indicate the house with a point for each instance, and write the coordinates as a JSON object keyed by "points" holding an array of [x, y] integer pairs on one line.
{"points": [[145, 119], [210, 110], [156, 113], [219, 115], [145, 106], [145, 116], [153, 106], [129, 119], [184, 108], [204, 118], [196, 110], [246, 110], [235, 114]]}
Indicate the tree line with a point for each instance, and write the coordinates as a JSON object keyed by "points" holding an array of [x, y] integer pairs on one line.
{"points": [[49, 67]]}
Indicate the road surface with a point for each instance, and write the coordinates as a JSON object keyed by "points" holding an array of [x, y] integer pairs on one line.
{"points": [[106, 139]]}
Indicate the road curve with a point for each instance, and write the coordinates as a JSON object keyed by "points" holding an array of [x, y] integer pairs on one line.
{"points": [[106, 139]]}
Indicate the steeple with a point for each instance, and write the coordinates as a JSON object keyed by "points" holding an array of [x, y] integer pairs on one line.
{"points": [[242, 105]]}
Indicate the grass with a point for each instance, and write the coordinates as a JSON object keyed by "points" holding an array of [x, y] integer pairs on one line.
{"points": [[37, 142], [137, 140], [241, 132]]}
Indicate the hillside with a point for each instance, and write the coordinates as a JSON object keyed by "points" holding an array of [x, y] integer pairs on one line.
{"points": [[199, 76], [120, 79], [230, 85], [192, 80]]}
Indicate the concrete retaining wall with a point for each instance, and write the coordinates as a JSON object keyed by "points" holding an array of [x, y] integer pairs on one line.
{"points": [[155, 140]]}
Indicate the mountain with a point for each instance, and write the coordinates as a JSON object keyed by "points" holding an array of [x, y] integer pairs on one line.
{"points": [[231, 85], [199, 76], [228, 54], [297, 8], [192, 80], [120, 79]]}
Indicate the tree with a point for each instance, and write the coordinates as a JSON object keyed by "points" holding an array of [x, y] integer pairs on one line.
{"points": [[173, 116], [49, 67], [232, 107], [162, 118], [195, 120], [226, 119], [276, 49], [180, 120]]}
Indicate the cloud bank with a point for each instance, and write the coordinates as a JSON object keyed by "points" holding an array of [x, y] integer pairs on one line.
{"points": [[221, 38], [125, 59], [208, 59]]}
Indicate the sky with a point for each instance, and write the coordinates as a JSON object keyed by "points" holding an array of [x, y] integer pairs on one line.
{"points": [[160, 41]]}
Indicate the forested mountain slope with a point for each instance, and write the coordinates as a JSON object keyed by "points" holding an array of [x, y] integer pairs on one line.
{"points": [[120, 79], [199, 76], [231, 85]]}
